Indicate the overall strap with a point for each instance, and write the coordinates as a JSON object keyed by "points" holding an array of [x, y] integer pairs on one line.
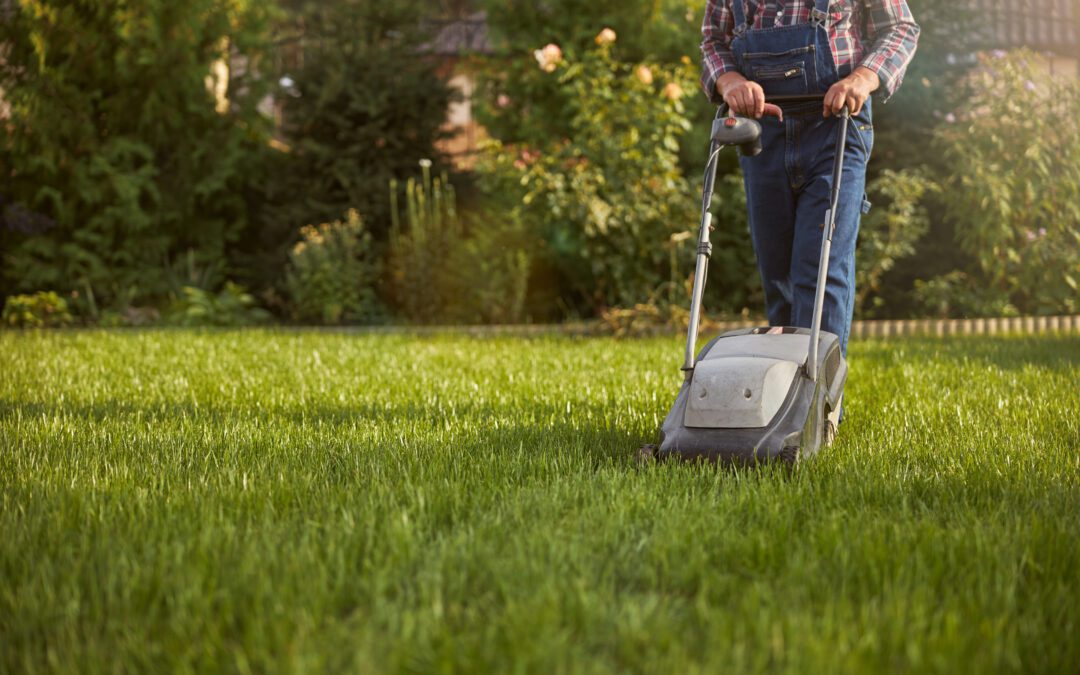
{"points": [[740, 17], [819, 16]]}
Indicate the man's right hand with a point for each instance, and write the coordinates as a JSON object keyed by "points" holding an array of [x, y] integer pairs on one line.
{"points": [[744, 97]]}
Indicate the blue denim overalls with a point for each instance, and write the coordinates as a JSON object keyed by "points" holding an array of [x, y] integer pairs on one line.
{"points": [[788, 184]]}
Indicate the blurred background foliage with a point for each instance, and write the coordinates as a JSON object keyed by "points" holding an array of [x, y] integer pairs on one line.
{"points": [[202, 161]]}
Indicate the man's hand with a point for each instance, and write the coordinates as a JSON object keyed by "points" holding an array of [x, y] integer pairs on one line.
{"points": [[745, 97], [852, 91]]}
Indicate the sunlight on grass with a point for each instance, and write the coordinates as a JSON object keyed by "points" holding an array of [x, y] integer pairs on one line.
{"points": [[284, 501]]}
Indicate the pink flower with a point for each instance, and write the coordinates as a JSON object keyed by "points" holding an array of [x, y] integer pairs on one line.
{"points": [[503, 101], [605, 37], [549, 57], [950, 118], [1029, 85], [644, 74]]}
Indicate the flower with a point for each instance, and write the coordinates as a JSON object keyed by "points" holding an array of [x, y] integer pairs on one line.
{"points": [[549, 57], [502, 100], [672, 91], [998, 53], [605, 37], [425, 163], [950, 118], [685, 60], [644, 74], [1029, 85]]}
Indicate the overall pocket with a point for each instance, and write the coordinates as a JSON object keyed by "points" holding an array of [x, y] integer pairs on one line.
{"points": [[780, 73], [788, 78]]}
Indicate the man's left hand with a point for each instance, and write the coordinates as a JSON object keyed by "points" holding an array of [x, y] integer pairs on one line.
{"points": [[852, 91]]}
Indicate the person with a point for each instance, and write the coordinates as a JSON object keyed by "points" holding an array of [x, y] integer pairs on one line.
{"points": [[846, 50]]}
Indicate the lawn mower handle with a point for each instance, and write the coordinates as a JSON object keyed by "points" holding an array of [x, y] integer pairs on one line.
{"points": [[704, 250], [745, 132]]}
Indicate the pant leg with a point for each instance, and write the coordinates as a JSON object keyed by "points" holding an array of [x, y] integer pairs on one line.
{"points": [[816, 153], [770, 202]]}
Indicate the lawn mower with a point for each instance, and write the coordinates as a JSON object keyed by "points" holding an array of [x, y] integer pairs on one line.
{"points": [[763, 394]]}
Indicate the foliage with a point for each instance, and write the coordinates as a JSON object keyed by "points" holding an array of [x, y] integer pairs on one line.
{"points": [[116, 138], [497, 264], [734, 285], [441, 271], [522, 105], [422, 273], [361, 108], [959, 294], [889, 232], [232, 306], [44, 309], [905, 138], [332, 273], [608, 194], [1014, 189]]}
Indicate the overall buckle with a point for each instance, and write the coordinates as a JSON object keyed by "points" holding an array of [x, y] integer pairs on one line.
{"points": [[819, 17]]}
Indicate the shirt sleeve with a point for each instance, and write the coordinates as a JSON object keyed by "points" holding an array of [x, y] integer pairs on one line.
{"points": [[892, 35], [716, 57]]}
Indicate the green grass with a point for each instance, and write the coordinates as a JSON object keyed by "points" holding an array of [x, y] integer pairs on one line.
{"points": [[278, 501]]}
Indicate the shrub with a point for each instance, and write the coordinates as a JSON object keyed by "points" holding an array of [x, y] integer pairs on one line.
{"points": [[332, 273], [44, 309], [607, 196], [446, 268], [115, 138], [363, 107], [1014, 188], [889, 232], [232, 306]]}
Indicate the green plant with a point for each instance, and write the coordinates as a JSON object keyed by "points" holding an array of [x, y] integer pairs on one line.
{"points": [[1014, 189], [889, 232], [497, 263], [361, 109], [44, 309], [232, 306], [958, 294], [607, 195], [424, 278], [130, 133], [332, 273]]}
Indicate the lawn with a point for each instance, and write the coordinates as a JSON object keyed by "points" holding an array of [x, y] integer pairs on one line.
{"points": [[306, 501]]}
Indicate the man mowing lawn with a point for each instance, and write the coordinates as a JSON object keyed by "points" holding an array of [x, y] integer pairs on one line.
{"points": [[846, 49]]}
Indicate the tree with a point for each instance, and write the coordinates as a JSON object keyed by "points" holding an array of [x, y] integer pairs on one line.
{"points": [[364, 106], [116, 144]]}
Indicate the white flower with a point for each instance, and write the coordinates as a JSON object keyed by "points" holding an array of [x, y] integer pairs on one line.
{"points": [[605, 37], [549, 57]]}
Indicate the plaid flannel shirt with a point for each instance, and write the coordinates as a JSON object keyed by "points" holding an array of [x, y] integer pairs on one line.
{"points": [[886, 48]]}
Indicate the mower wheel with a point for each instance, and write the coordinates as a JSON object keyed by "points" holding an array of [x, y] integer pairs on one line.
{"points": [[646, 454], [789, 455]]}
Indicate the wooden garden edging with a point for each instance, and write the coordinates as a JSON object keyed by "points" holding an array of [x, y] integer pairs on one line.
{"points": [[1022, 325], [1025, 325]]}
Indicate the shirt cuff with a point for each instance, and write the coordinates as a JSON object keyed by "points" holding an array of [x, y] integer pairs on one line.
{"points": [[712, 67], [888, 77]]}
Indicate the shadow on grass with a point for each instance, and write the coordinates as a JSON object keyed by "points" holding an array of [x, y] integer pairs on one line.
{"points": [[542, 424]]}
